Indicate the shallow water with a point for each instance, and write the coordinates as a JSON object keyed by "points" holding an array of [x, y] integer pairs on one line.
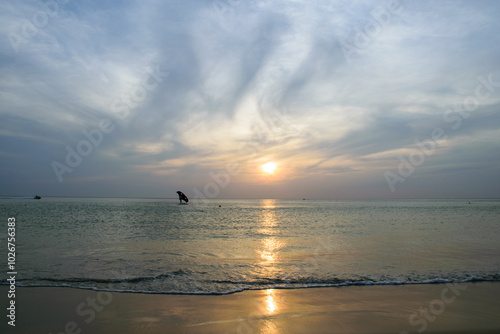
{"points": [[153, 245]]}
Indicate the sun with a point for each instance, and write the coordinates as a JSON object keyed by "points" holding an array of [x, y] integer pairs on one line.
{"points": [[269, 168]]}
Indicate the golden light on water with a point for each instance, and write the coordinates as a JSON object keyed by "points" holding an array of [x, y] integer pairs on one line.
{"points": [[271, 305], [267, 310], [271, 245], [269, 259], [269, 251]]}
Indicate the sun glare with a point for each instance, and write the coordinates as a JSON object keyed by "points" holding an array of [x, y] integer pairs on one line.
{"points": [[269, 168]]}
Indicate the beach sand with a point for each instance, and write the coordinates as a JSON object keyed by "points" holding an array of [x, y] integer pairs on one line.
{"points": [[428, 308]]}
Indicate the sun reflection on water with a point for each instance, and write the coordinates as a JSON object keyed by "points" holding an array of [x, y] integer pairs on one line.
{"points": [[269, 252], [271, 305], [269, 309]]}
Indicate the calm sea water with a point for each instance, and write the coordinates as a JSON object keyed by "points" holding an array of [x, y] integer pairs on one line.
{"points": [[148, 245]]}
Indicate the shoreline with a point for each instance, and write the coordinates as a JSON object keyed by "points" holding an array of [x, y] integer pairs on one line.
{"points": [[438, 281], [415, 308]]}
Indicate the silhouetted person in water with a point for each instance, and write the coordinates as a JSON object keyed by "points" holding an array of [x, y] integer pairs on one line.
{"points": [[182, 197]]}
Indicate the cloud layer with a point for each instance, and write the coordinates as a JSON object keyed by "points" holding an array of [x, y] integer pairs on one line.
{"points": [[338, 93]]}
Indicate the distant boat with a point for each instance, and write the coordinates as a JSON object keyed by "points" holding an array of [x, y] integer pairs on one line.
{"points": [[182, 197], [37, 197]]}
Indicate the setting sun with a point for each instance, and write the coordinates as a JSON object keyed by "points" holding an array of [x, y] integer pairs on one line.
{"points": [[269, 168]]}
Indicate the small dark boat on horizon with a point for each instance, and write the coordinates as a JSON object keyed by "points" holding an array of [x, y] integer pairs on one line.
{"points": [[37, 197]]}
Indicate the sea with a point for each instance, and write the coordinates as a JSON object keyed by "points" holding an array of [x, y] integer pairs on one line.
{"points": [[223, 246]]}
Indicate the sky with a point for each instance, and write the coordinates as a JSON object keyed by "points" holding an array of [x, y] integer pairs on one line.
{"points": [[341, 99]]}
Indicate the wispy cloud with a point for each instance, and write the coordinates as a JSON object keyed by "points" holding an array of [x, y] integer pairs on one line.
{"points": [[248, 83]]}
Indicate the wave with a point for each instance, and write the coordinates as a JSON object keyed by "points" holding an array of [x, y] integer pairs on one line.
{"points": [[97, 280], [225, 287]]}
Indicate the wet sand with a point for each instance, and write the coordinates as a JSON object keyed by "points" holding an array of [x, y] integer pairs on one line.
{"points": [[424, 308]]}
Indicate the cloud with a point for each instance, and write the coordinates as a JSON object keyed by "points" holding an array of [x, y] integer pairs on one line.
{"points": [[245, 82]]}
